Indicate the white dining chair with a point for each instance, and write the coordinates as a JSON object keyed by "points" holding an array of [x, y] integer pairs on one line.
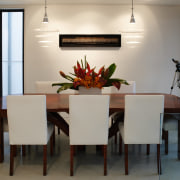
{"points": [[27, 122], [89, 118], [118, 116], [45, 87], [142, 123], [131, 88], [170, 123]]}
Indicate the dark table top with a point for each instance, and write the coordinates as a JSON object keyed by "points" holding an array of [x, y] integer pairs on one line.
{"points": [[60, 102]]}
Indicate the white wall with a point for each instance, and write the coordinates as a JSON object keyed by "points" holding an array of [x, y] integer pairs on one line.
{"points": [[148, 63]]}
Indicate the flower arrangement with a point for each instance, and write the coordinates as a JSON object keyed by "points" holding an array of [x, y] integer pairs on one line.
{"points": [[87, 77]]}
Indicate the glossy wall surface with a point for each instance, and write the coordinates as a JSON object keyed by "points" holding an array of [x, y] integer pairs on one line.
{"points": [[147, 46]]}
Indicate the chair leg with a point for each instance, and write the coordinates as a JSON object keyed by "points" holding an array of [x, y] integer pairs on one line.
{"points": [[44, 160], [51, 144], [126, 158], [54, 136], [120, 144], [148, 149], [23, 150], [166, 141], [105, 159], [111, 121], [11, 170], [115, 138], [71, 159], [158, 159], [58, 130], [116, 134]]}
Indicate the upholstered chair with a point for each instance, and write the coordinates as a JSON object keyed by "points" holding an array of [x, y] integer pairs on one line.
{"points": [[170, 124], [89, 118], [131, 88], [142, 123], [118, 116], [27, 121], [47, 88]]}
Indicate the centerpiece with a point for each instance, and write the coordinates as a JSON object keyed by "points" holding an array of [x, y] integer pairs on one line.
{"points": [[87, 77]]}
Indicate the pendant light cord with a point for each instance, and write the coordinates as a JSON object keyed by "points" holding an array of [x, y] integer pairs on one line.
{"points": [[45, 8], [45, 19], [132, 8]]}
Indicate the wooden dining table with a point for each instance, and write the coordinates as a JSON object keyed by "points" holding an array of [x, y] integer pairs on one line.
{"points": [[60, 103]]}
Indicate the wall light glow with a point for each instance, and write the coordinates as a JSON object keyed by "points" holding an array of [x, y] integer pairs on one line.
{"points": [[43, 35], [45, 41], [133, 42]]}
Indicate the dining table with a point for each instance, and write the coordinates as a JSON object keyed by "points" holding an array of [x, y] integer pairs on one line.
{"points": [[60, 103]]}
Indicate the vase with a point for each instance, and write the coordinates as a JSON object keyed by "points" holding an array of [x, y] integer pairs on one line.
{"points": [[90, 91]]}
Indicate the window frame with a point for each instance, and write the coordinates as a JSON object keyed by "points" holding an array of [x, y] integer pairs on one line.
{"points": [[10, 10]]}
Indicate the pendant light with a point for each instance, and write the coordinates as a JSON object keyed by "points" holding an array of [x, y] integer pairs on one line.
{"points": [[45, 19], [132, 20]]}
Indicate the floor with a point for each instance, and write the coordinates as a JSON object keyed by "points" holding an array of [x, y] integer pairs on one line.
{"points": [[89, 164]]}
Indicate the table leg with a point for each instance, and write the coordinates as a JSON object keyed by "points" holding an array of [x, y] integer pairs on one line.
{"points": [[57, 120], [1, 141]]}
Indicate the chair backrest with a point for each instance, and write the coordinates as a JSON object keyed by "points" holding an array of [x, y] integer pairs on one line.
{"points": [[47, 88], [27, 119], [89, 117], [143, 123], [131, 88]]}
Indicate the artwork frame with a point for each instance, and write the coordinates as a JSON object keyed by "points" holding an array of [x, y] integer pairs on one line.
{"points": [[90, 40]]}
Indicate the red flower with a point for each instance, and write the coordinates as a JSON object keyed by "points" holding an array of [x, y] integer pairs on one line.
{"points": [[62, 74], [117, 85]]}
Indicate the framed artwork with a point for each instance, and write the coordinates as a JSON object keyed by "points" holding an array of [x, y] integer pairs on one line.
{"points": [[89, 40]]}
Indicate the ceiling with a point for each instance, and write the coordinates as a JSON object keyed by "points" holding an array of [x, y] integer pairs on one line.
{"points": [[144, 2]]}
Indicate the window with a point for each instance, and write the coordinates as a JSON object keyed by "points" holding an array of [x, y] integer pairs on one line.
{"points": [[12, 51]]}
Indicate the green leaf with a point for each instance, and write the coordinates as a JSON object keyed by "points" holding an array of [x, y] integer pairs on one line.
{"points": [[69, 78], [73, 74], [110, 81], [82, 64], [111, 68], [64, 86], [85, 61]]}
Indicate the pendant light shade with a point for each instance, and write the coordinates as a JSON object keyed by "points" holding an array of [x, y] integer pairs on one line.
{"points": [[132, 20], [45, 19]]}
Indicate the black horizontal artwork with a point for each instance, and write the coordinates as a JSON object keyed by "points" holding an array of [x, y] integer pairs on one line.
{"points": [[90, 40]]}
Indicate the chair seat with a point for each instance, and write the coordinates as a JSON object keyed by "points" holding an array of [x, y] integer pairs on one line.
{"points": [[64, 115], [118, 116], [170, 122]]}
